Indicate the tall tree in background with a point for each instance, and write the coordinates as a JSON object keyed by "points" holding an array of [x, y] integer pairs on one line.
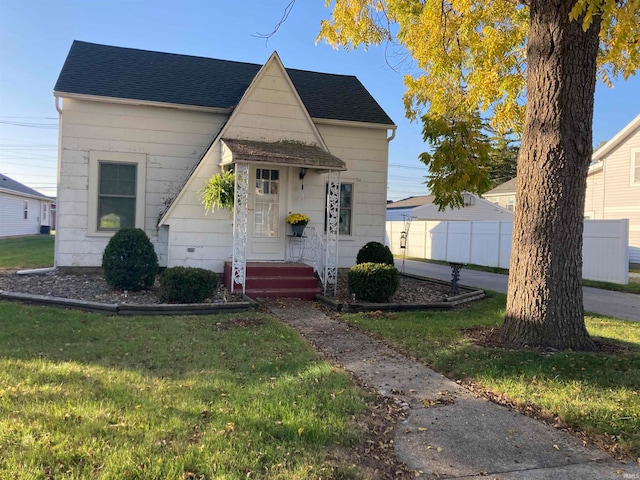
{"points": [[482, 55], [503, 158]]}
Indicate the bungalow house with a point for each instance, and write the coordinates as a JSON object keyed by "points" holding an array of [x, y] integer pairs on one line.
{"points": [[142, 133], [23, 210], [503, 195], [613, 185]]}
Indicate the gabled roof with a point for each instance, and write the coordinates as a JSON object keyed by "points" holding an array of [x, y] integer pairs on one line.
{"points": [[410, 202], [127, 73], [617, 140], [7, 183], [506, 188]]}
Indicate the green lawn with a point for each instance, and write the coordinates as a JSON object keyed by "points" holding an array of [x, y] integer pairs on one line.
{"points": [[88, 396], [27, 252], [597, 393]]}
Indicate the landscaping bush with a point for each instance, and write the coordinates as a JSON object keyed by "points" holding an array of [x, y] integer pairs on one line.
{"points": [[375, 252], [373, 282], [187, 284], [130, 262]]}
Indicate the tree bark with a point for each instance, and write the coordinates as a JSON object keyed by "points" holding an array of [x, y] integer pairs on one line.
{"points": [[544, 303]]}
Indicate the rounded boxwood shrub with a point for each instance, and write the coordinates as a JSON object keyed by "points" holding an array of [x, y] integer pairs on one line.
{"points": [[130, 262], [373, 282], [187, 284], [375, 252]]}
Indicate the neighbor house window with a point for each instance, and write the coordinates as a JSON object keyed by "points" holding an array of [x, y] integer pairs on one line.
{"points": [[635, 167], [511, 203], [346, 209], [25, 209], [116, 191], [44, 212]]}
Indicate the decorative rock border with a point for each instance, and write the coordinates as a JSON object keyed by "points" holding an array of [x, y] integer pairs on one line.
{"points": [[133, 309], [448, 303]]}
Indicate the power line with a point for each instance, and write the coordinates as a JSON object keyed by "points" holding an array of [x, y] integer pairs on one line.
{"points": [[45, 126]]}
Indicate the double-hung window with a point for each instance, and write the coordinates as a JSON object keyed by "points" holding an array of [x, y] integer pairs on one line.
{"points": [[635, 167], [116, 191], [345, 224], [116, 196]]}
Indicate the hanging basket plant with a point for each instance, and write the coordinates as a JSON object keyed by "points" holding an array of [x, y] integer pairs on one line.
{"points": [[219, 192]]}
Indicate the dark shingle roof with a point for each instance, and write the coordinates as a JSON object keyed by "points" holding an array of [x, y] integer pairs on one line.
{"points": [[107, 71], [411, 202], [10, 184]]}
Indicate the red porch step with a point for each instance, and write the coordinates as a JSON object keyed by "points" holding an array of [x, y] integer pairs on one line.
{"points": [[270, 279]]}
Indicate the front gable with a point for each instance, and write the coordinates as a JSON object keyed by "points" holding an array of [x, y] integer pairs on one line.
{"points": [[271, 110]]}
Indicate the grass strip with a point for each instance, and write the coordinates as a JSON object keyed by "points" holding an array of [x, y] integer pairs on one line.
{"points": [[27, 252]]}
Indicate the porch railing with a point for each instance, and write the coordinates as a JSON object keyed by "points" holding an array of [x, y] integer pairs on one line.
{"points": [[315, 254]]}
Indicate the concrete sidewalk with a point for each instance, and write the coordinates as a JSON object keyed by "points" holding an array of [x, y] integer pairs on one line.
{"points": [[457, 435], [605, 302]]}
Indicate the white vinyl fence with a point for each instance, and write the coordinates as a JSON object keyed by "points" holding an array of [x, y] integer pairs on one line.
{"points": [[605, 251]]}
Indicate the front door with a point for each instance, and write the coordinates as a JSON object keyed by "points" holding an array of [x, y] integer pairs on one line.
{"points": [[267, 213]]}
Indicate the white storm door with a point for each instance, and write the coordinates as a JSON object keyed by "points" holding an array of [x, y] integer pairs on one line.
{"points": [[266, 223]]}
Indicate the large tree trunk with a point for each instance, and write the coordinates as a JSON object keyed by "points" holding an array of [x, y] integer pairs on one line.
{"points": [[544, 304]]}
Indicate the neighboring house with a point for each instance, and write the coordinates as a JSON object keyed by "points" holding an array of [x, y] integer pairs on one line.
{"points": [[503, 195], [401, 209], [474, 209], [142, 132], [23, 210], [613, 183]]}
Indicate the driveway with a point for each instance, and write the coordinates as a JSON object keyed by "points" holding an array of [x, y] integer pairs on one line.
{"points": [[604, 302]]}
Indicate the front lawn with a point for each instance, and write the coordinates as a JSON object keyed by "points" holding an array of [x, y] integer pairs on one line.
{"points": [[595, 392], [88, 396], [27, 252]]}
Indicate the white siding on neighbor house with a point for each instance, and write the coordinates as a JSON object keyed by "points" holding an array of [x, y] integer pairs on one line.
{"points": [[604, 252], [173, 141], [397, 214], [611, 194], [12, 221]]}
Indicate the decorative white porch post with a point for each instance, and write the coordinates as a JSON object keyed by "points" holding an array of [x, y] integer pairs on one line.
{"points": [[240, 218], [333, 226]]}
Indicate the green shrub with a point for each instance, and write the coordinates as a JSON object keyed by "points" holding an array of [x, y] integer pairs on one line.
{"points": [[373, 282], [130, 262], [375, 252], [187, 284]]}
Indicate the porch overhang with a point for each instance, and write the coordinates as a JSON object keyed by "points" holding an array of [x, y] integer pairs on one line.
{"points": [[284, 152]]}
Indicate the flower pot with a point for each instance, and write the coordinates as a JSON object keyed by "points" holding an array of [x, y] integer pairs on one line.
{"points": [[297, 230]]}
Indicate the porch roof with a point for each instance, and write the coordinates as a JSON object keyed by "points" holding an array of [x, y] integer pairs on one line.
{"points": [[284, 152]]}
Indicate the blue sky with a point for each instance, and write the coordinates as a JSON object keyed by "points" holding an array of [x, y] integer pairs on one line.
{"points": [[35, 36]]}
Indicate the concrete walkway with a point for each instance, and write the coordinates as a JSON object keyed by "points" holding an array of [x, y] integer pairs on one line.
{"points": [[458, 435], [605, 302]]}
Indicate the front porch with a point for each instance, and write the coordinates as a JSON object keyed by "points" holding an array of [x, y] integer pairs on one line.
{"points": [[276, 279]]}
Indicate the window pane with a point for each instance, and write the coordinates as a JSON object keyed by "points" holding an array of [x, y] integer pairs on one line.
{"points": [[345, 221], [345, 195], [116, 179], [636, 173], [115, 213]]}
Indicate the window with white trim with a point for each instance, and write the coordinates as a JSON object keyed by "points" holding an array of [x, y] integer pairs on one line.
{"points": [[116, 191], [345, 224], [25, 209], [635, 167], [511, 203]]}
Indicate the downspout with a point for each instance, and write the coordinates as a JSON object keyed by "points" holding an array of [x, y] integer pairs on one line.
{"points": [[55, 240], [393, 134]]}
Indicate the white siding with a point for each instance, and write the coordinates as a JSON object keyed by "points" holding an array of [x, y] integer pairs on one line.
{"points": [[365, 151], [173, 141], [611, 195], [12, 221]]}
